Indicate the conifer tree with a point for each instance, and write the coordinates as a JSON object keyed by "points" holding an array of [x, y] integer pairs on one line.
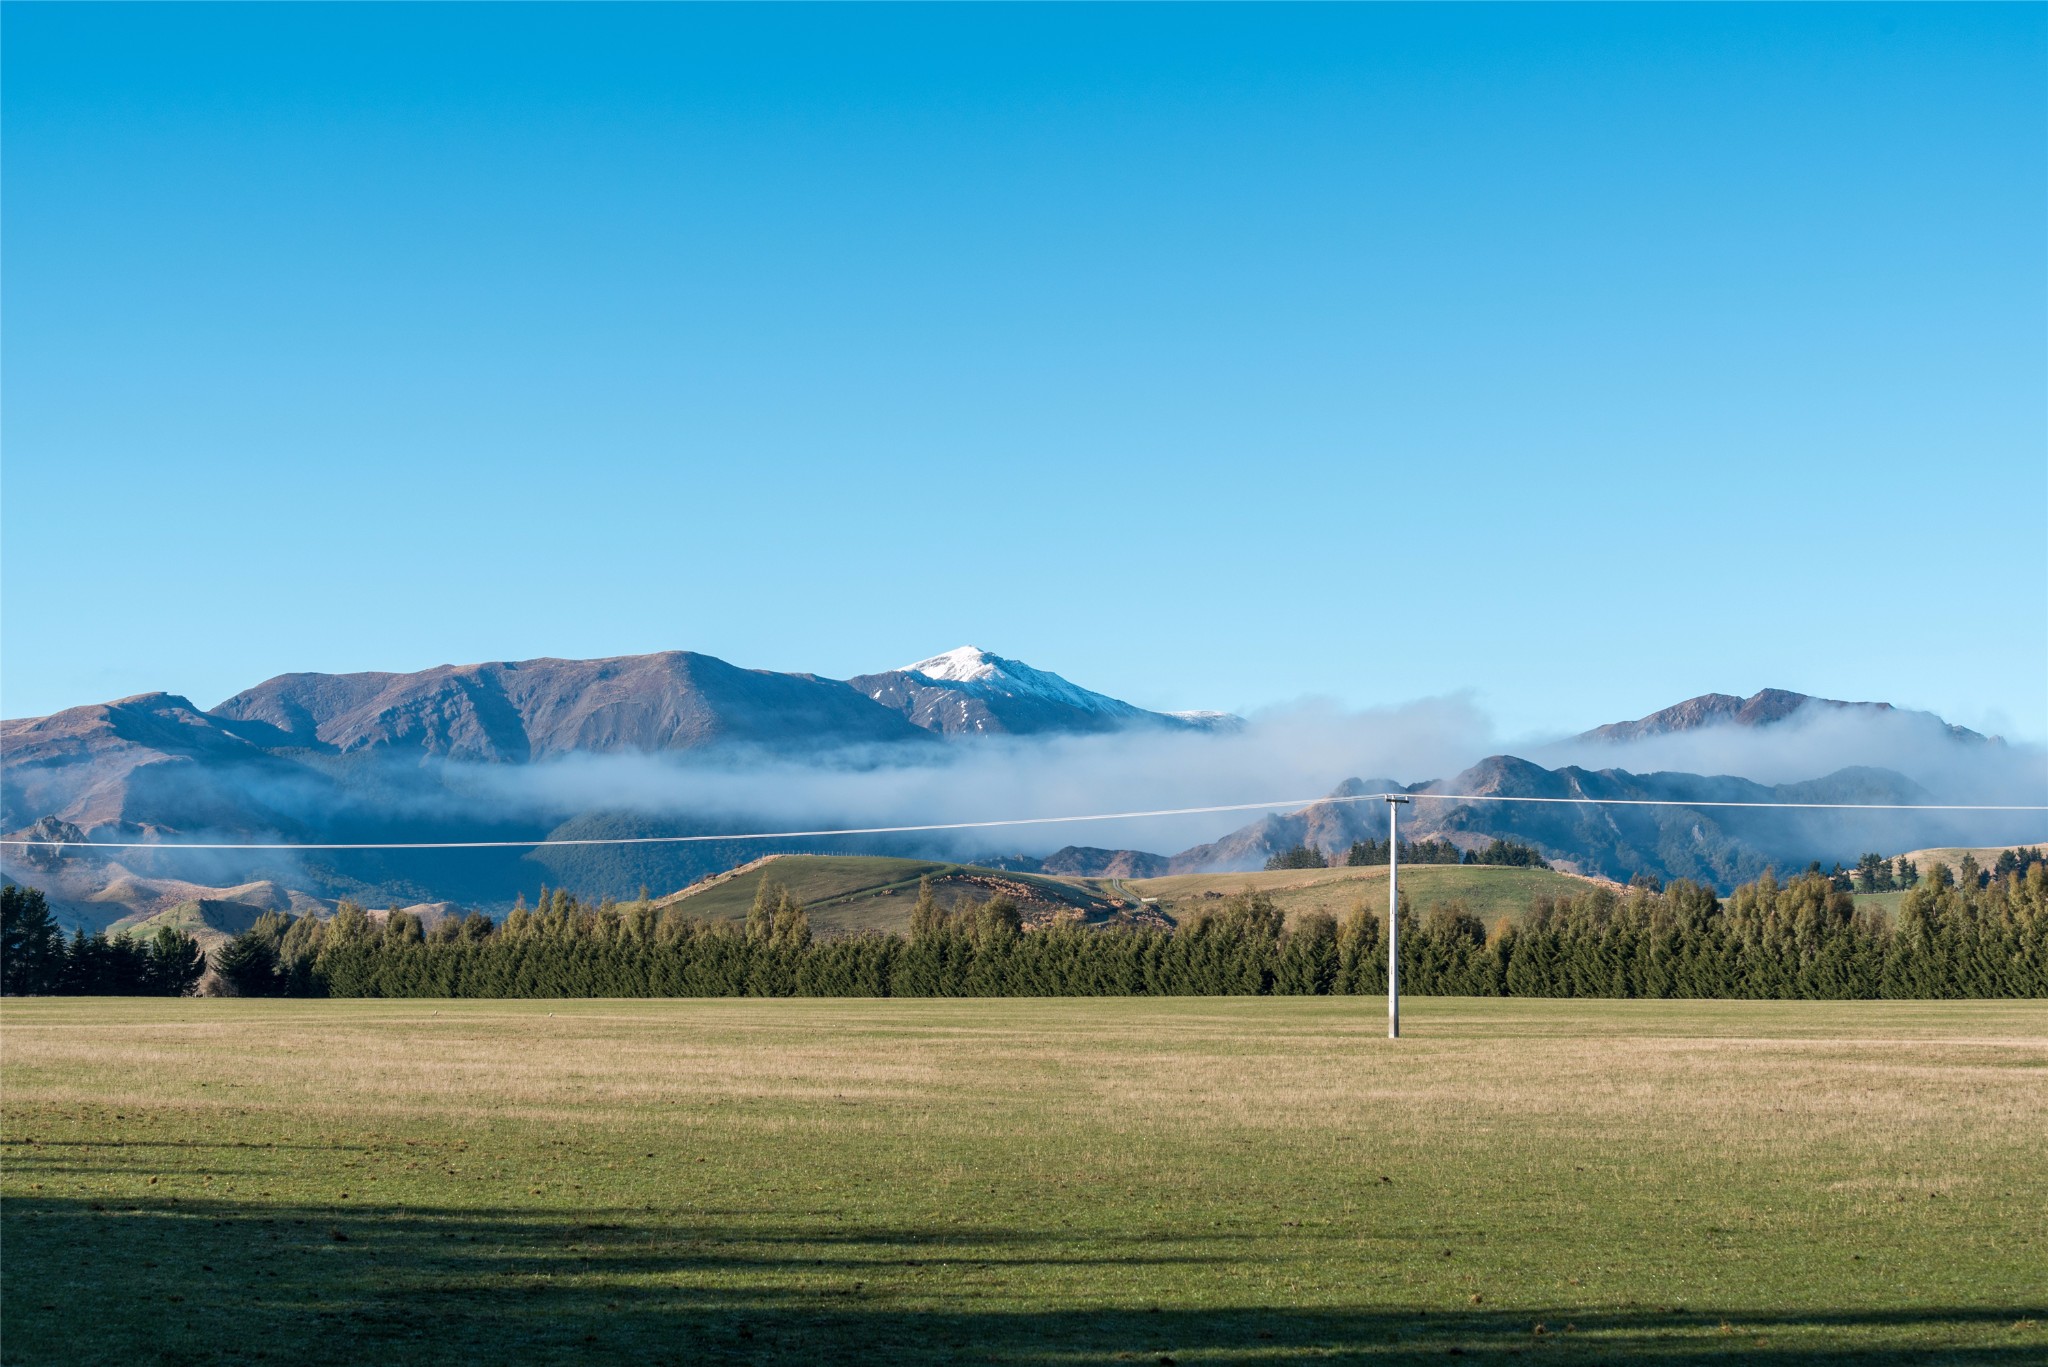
{"points": [[248, 964], [31, 949], [177, 963]]}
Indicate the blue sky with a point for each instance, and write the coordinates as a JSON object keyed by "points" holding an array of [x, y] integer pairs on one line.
{"points": [[1580, 360]]}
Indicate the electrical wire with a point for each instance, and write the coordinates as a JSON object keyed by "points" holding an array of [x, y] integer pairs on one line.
{"points": [[548, 843]]}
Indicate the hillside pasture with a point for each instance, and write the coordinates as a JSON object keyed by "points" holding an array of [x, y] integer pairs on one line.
{"points": [[858, 894], [1884, 903], [1490, 891], [210, 921], [1190, 1180]]}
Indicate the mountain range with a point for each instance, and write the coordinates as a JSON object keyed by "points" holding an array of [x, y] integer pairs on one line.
{"points": [[157, 764], [366, 758], [1677, 832]]}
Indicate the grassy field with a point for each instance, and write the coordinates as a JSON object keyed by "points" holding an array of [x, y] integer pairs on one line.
{"points": [[1491, 892], [1024, 1181], [1885, 902], [852, 894]]}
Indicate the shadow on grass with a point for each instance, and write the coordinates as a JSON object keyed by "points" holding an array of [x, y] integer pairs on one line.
{"points": [[198, 1281]]}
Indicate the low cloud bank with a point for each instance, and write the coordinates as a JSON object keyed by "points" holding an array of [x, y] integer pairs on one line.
{"points": [[1816, 741], [1298, 752]]}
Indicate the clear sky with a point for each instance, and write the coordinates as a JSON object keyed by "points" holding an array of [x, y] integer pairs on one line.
{"points": [[1578, 359]]}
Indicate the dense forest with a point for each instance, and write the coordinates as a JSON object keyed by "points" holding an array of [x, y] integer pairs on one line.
{"points": [[1985, 935]]}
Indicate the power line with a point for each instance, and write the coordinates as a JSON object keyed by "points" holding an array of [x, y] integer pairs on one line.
{"points": [[546, 843]]}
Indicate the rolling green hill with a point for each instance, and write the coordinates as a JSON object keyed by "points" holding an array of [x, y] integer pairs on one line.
{"points": [[208, 920], [856, 894], [1491, 892]]}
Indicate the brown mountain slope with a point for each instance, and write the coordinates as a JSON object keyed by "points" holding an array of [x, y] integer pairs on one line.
{"points": [[532, 709], [1669, 824], [1329, 826], [153, 760]]}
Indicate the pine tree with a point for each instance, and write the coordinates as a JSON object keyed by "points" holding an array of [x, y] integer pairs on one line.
{"points": [[176, 962], [31, 950], [926, 919], [248, 964]]}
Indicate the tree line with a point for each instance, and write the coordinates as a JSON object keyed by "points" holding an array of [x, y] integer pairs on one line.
{"points": [[1371, 852], [36, 959], [1875, 873], [1800, 938]]}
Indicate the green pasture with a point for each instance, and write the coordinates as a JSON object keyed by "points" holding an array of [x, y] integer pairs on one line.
{"points": [[1195, 1180], [851, 894], [207, 919], [1885, 903], [856, 894], [1491, 891]]}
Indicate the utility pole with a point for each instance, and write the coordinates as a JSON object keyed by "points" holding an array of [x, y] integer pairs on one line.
{"points": [[1394, 805]]}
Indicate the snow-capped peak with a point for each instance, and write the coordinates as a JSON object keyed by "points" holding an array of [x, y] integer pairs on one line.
{"points": [[972, 670], [966, 664], [976, 667]]}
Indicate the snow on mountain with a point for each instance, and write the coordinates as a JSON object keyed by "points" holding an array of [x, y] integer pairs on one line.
{"points": [[963, 664], [971, 691], [1013, 678]]}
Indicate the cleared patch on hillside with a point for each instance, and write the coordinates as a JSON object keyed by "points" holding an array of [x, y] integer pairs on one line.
{"points": [[1886, 903], [857, 894], [1952, 855], [1491, 892]]}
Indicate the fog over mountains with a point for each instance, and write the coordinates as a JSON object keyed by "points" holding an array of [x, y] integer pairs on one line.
{"points": [[682, 743]]}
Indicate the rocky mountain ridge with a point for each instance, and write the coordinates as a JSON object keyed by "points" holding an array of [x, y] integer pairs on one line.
{"points": [[332, 760], [1609, 822], [156, 763]]}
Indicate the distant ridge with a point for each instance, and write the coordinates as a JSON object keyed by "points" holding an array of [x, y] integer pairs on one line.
{"points": [[1083, 861], [1711, 845], [1765, 708]]}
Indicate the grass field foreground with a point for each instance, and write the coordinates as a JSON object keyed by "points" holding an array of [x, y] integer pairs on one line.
{"points": [[1022, 1181]]}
